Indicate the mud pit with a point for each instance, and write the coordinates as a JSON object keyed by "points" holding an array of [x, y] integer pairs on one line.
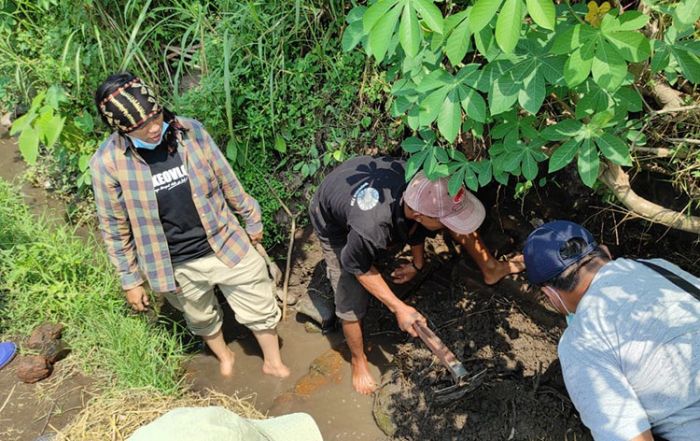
{"points": [[504, 331], [506, 342]]}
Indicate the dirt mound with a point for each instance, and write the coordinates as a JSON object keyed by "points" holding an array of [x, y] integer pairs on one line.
{"points": [[510, 338]]}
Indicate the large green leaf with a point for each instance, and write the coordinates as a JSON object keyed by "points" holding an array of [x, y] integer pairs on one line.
{"points": [[560, 131], [457, 44], [577, 68], [608, 67], [412, 144], [532, 95], [352, 35], [435, 79], [631, 44], [409, 31], [542, 12], [414, 163], [430, 13], [593, 101], [509, 24], [456, 180], [688, 62], [52, 130], [29, 145], [588, 162], [614, 149], [380, 35], [375, 13], [431, 106], [563, 155], [482, 13], [450, 117], [662, 56], [632, 20], [472, 103], [687, 12], [529, 166], [568, 39], [470, 178], [503, 94]]}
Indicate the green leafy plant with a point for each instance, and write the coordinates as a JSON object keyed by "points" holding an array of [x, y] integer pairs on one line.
{"points": [[41, 124], [493, 88]]}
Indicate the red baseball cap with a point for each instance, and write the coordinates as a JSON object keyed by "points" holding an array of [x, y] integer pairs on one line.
{"points": [[462, 213]]}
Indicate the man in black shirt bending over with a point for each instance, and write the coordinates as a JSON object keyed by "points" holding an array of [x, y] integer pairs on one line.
{"points": [[363, 208]]}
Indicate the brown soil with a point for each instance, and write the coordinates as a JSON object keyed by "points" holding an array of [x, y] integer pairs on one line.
{"points": [[28, 411]]}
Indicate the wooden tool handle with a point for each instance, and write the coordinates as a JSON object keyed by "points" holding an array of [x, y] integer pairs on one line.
{"points": [[434, 343]]}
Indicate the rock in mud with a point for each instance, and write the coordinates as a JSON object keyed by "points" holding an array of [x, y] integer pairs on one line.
{"points": [[44, 334], [33, 368], [55, 350], [319, 309], [383, 402]]}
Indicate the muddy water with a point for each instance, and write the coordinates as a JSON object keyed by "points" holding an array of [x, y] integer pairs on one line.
{"points": [[12, 167], [319, 384], [320, 380]]}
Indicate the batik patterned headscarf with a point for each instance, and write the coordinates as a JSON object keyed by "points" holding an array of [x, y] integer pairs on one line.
{"points": [[130, 107]]}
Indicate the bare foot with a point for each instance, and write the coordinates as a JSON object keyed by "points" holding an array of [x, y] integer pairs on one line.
{"points": [[511, 266], [226, 365], [362, 380], [278, 370]]}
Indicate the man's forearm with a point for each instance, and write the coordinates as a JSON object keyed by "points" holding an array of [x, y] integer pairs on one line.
{"points": [[374, 283], [418, 253]]}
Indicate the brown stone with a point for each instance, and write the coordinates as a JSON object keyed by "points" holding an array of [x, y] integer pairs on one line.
{"points": [[55, 350], [43, 334], [33, 368]]}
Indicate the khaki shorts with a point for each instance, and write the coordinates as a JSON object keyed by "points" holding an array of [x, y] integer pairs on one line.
{"points": [[351, 298], [247, 288]]}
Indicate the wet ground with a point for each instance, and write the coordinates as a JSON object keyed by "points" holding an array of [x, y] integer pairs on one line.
{"points": [[320, 380], [30, 410]]}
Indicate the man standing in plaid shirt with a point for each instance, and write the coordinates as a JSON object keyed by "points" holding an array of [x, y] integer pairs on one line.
{"points": [[167, 201]]}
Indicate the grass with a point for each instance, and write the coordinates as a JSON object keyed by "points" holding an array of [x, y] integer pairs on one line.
{"points": [[49, 274], [117, 415]]}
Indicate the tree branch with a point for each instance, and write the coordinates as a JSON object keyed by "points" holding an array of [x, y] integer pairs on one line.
{"points": [[619, 182]]}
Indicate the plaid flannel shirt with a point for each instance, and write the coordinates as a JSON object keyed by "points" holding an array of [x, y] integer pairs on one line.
{"points": [[127, 208]]}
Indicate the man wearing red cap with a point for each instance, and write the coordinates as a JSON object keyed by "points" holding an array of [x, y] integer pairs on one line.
{"points": [[364, 208]]}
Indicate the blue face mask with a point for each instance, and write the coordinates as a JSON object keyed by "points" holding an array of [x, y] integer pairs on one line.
{"points": [[140, 144], [569, 315]]}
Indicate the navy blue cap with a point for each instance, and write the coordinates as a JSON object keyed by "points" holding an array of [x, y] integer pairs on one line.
{"points": [[543, 259]]}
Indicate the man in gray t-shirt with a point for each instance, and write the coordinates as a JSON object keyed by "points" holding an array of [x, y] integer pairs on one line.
{"points": [[631, 352]]}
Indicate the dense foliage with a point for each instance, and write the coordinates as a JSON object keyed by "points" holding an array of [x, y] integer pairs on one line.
{"points": [[268, 79], [492, 88]]}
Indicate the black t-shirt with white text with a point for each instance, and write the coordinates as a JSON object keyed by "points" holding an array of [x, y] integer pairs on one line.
{"points": [[184, 232], [358, 207]]}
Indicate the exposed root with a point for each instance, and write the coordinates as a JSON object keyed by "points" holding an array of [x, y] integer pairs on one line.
{"points": [[619, 182]]}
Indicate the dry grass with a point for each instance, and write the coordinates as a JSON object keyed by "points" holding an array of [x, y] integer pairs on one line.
{"points": [[116, 415]]}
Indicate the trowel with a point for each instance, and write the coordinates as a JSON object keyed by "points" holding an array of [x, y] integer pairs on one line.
{"points": [[461, 385]]}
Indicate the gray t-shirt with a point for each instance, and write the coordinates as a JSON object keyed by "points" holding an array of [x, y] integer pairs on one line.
{"points": [[631, 356]]}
